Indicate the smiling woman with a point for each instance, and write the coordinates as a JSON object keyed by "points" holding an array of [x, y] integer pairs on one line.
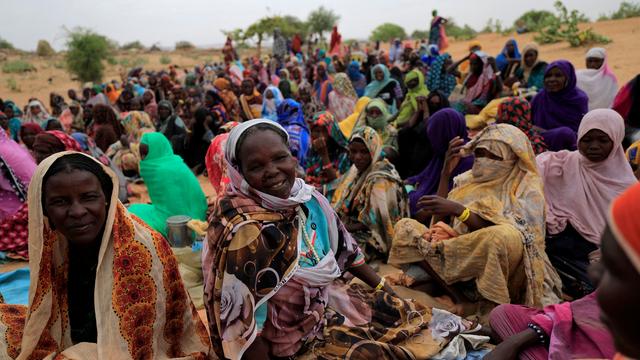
{"points": [[277, 252], [90, 264]]}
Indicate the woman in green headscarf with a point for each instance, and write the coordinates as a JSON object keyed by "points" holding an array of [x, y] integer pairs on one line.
{"points": [[376, 115], [173, 188], [414, 81]]}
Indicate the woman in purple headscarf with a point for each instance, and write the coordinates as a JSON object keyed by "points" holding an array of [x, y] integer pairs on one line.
{"points": [[442, 127], [558, 109]]}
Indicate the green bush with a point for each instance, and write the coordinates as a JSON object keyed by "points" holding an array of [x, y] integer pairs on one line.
{"points": [[165, 60], [535, 20], [5, 45], [12, 84], [625, 11], [86, 53], [565, 28], [460, 33], [184, 45], [44, 48], [134, 45], [17, 67]]}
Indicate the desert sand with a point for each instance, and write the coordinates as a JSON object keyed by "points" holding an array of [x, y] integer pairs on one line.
{"points": [[51, 75]]}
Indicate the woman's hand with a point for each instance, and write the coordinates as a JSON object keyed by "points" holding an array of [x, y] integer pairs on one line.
{"points": [[452, 157], [434, 205]]}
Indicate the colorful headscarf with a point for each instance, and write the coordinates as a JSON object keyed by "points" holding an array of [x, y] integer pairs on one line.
{"points": [[601, 85], [563, 108], [373, 89], [578, 191], [624, 224], [167, 178], [216, 166], [15, 122], [270, 106], [410, 104], [340, 161], [291, 118], [502, 60], [438, 78], [343, 99], [517, 112], [141, 305], [442, 127]]}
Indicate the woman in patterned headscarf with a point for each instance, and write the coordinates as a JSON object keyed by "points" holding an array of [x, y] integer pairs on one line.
{"points": [[439, 78], [370, 197], [343, 98], [495, 254], [103, 285], [517, 112]]}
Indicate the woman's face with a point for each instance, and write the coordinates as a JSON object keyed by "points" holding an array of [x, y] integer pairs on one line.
{"points": [[35, 110], [4, 122], [247, 88], [72, 94], [511, 49], [9, 112], [530, 57], [373, 112], [76, 206], [28, 137], [269, 94], [359, 155], [208, 101], [163, 112], [594, 63], [378, 74], [555, 80], [321, 71], [595, 145], [412, 83], [147, 97], [476, 65], [267, 164], [75, 110], [619, 295], [319, 133]]}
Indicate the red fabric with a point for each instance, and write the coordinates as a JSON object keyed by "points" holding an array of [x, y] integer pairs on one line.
{"points": [[624, 222], [14, 234], [66, 140]]}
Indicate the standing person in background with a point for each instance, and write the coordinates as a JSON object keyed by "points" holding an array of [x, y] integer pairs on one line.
{"points": [[335, 46], [279, 45], [437, 34], [597, 80]]}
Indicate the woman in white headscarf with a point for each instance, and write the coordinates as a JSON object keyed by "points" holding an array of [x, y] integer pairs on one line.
{"points": [[597, 80]]}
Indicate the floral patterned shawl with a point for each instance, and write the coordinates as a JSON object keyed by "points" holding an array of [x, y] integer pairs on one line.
{"points": [[142, 308]]}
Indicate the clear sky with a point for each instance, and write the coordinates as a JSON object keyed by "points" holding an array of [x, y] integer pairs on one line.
{"points": [[24, 22]]}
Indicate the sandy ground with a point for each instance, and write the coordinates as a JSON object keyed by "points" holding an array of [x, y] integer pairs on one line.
{"points": [[51, 76]]}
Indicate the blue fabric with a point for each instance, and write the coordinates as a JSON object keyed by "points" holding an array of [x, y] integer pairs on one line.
{"points": [[318, 230], [291, 118], [501, 60], [14, 286]]}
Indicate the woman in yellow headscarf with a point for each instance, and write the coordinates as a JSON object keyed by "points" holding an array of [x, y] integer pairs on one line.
{"points": [[495, 252], [347, 125], [417, 88]]}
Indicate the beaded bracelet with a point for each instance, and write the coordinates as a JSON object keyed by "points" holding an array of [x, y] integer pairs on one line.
{"points": [[539, 332], [380, 284], [465, 215]]}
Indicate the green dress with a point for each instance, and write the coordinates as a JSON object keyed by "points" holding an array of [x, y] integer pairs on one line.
{"points": [[173, 188]]}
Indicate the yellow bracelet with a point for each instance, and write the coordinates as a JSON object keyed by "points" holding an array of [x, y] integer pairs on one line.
{"points": [[465, 215], [380, 284]]}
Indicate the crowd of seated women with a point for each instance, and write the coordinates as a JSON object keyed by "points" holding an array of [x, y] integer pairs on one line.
{"points": [[503, 187]]}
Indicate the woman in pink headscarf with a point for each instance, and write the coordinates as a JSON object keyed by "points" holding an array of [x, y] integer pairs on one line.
{"points": [[16, 168], [579, 186], [597, 80]]}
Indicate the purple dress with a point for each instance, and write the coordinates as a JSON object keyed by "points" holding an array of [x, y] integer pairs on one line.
{"points": [[442, 127]]}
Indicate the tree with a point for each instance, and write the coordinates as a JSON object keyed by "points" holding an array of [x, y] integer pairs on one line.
{"points": [[44, 48], [387, 32], [420, 34], [134, 45], [322, 20], [86, 51], [534, 20], [5, 45]]}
